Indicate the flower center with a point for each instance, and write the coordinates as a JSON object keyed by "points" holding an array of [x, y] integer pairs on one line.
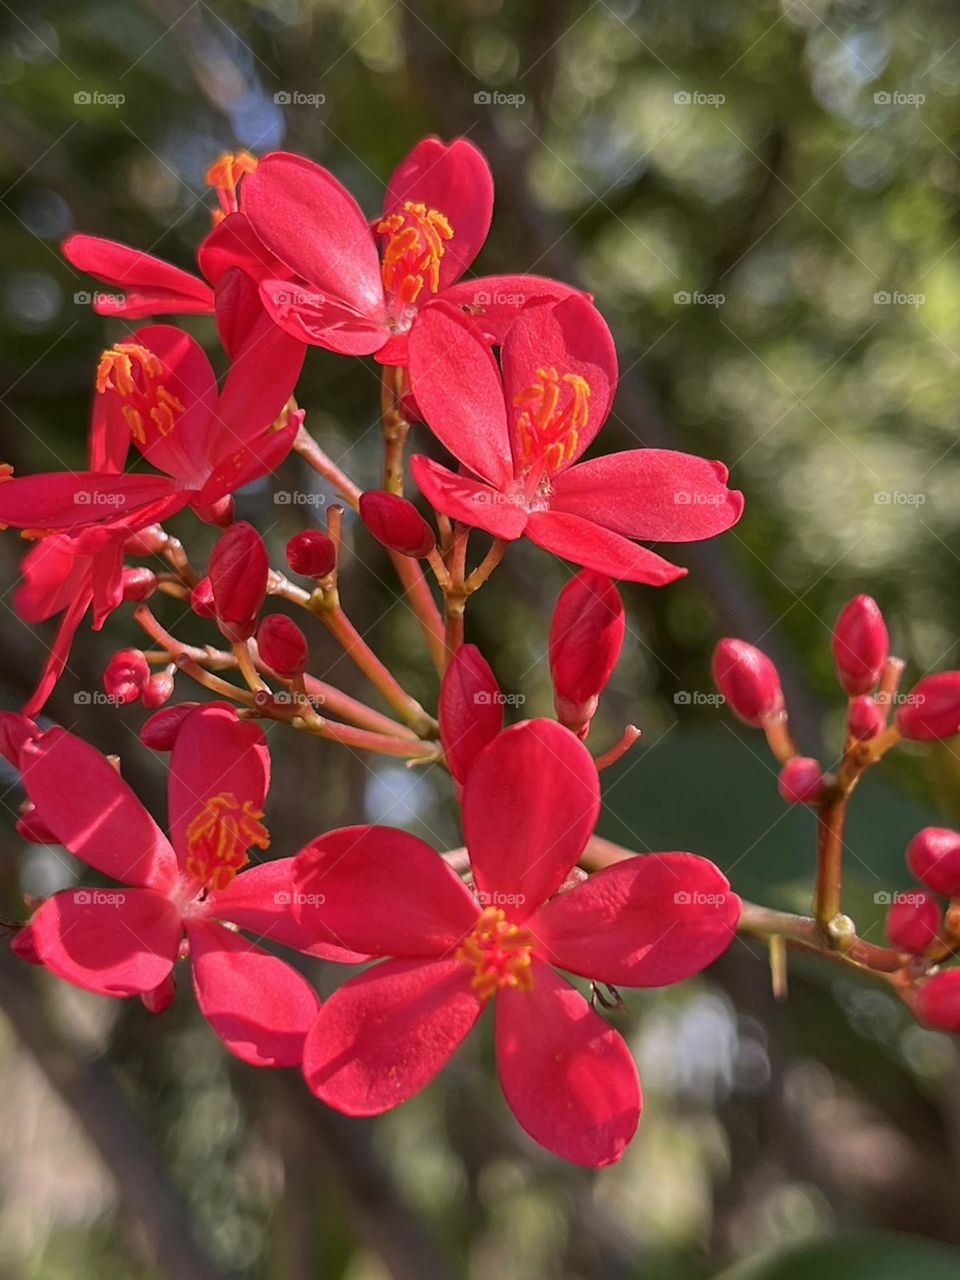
{"points": [[218, 839], [134, 373], [416, 240], [224, 175], [500, 953], [554, 409]]}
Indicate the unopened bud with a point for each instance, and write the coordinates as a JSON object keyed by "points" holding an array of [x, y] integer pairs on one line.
{"points": [[586, 638], [801, 780], [147, 542], [312, 554], [159, 733], [239, 569], [932, 709], [126, 674], [860, 645], [937, 1003], [397, 523], [913, 921], [471, 709], [158, 690], [201, 599], [139, 583], [865, 719], [933, 855], [283, 646], [748, 681]]}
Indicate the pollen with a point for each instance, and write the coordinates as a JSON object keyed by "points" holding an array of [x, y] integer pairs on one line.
{"points": [[150, 410], [218, 839], [416, 240], [554, 410], [500, 953], [224, 175]]}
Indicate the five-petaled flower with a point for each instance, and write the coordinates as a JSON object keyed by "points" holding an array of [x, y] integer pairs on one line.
{"points": [[520, 430], [125, 942], [529, 807]]}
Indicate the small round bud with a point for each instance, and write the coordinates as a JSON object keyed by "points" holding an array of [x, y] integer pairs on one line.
{"points": [[860, 645], [159, 733], [865, 718], [932, 709], [126, 675], [913, 921], [283, 646], [139, 583], [239, 569], [801, 780], [933, 855], [158, 690], [146, 542], [397, 523], [748, 681], [312, 554], [938, 1001]]}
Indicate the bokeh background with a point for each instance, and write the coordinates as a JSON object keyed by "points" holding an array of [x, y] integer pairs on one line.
{"points": [[764, 200]]}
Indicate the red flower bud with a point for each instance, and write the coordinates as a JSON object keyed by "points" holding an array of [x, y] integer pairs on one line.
{"points": [[312, 554], [471, 709], [860, 645], [586, 638], [239, 569], [126, 675], [748, 681], [160, 998], [913, 921], [865, 719], [201, 599], [283, 646], [932, 709], [938, 1001], [801, 780], [397, 523], [147, 542], [160, 732], [24, 945], [139, 583], [933, 855], [158, 690]]}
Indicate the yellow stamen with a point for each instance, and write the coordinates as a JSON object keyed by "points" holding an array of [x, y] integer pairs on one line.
{"points": [[548, 429], [134, 373], [218, 839], [416, 242], [500, 952], [224, 175]]}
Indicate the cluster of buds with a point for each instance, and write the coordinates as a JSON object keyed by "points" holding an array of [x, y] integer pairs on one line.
{"points": [[128, 678]]}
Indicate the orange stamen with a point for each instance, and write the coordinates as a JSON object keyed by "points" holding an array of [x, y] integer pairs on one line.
{"points": [[134, 373], [218, 839], [500, 952], [416, 242], [224, 175], [548, 430]]}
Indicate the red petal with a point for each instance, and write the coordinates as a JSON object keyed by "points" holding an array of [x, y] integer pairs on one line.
{"points": [[258, 458], [150, 285], [306, 313], [238, 308], [458, 388], [92, 811], [455, 180], [117, 942], [214, 752], [259, 1007], [261, 380], [530, 805], [471, 709], [73, 500], [594, 547], [387, 1033], [568, 1077], [260, 900], [654, 494], [234, 244], [309, 221], [56, 662], [645, 922], [491, 303], [571, 337], [501, 514], [381, 891]]}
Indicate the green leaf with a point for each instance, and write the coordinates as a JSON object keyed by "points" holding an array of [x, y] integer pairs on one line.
{"points": [[867, 1256]]}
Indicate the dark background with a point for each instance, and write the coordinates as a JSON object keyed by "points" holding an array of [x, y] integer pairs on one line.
{"points": [[782, 166]]}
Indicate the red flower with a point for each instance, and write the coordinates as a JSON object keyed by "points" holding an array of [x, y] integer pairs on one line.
{"points": [[520, 432], [158, 389], [124, 942], [530, 803], [338, 291]]}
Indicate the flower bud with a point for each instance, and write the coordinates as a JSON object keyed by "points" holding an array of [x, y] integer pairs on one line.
{"points": [[932, 709], [239, 569], [161, 997], [283, 646], [865, 719], [397, 523], [586, 638], [913, 921], [158, 690], [147, 542], [471, 709], [160, 732], [311, 554], [23, 944], [801, 780], [933, 855], [139, 583], [937, 1003], [126, 674], [860, 645], [201, 599], [748, 681]]}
